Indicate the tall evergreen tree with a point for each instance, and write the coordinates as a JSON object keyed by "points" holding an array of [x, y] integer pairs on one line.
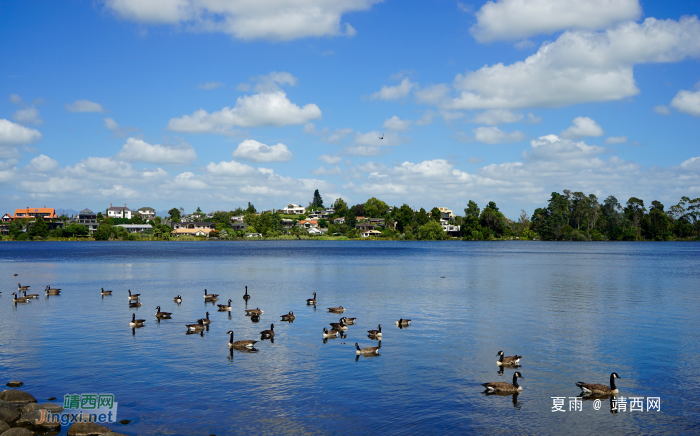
{"points": [[317, 201]]}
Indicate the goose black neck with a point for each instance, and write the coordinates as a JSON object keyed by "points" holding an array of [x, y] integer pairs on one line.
{"points": [[612, 382], [515, 380], [231, 337], [500, 359]]}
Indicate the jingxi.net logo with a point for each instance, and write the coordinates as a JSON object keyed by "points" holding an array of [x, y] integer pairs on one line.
{"points": [[82, 408]]}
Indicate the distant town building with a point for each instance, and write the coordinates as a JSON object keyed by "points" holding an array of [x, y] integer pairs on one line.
{"points": [[119, 212], [87, 218], [293, 209], [136, 228], [47, 213], [147, 213]]}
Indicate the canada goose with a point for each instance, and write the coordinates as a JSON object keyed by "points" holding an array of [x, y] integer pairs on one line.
{"points": [[16, 275], [255, 311], [239, 345], [136, 322], [376, 333], [349, 321], [30, 296], [134, 304], [503, 386], [205, 321], [508, 360], [103, 292], [163, 315], [339, 309], [133, 297], [339, 325], [289, 317], [52, 291], [246, 297], [403, 322], [178, 299], [268, 333], [210, 297], [22, 288], [195, 327], [224, 307], [310, 301], [17, 299], [330, 334], [591, 388], [368, 351]]}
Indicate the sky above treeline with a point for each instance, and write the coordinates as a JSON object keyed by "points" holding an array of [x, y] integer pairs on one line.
{"points": [[214, 104]]}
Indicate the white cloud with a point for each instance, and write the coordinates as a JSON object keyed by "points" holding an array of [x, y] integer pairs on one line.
{"points": [[616, 140], [42, 164], [661, 109], [28, 115], [516, 19], [394, 92], [322, 171], [362, 150], [692, 164], [269, 109], [578, 67], [230, 169], [330, 160], [84, 106], [475, 160], [14, 134], [687, 102], [551, 148], [396, 123], [210, 85], [432, 94], [117, 130], [247, 19], [426, 119], [137, 150], [258, 152], [372, 138], [583, 127], [494, 135], [338, 135], [494, 117], [309, 128], [16, 99]]}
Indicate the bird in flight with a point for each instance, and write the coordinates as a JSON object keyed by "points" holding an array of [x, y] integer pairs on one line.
{"points": [[382, 137]]}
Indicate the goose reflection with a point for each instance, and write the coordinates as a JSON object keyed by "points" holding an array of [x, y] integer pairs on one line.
{"points": [[243, 351], [506, 394], [191, 332], [602, 397], [255, 318], [500, 371]]}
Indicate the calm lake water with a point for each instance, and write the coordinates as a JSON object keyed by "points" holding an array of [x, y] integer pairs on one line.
{"points": [[575, 311]]}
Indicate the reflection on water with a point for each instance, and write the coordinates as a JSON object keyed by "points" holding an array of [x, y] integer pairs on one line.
{"points": [[574, 311]]}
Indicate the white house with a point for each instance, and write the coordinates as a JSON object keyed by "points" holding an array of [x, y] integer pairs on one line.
{"points": [[147, 213], [135, 228], [368, 233], [119, 212], [293, 209]]}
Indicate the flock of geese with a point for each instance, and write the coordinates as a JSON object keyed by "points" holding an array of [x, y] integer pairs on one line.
{"points": [[337, 330]]}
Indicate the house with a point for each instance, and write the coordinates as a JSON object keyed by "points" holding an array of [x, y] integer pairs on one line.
{"points": [[86, 218], [340, 220], [6, 218], [307, 223], [254, 235], [293, 209], [47, 213], [287, 223], [239, 225], [147, 213], [450, 229], [330, 210], [377, 221], [191, 232], [237, 219], [446, 213], [119, 212], [195, 226], [368, 233], [316, 231], [135, 228], [363, 227]]}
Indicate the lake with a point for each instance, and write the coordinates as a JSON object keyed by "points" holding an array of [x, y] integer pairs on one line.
{"points": [[575, 311]]}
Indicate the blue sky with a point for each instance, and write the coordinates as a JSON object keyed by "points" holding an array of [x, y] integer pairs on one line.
{"points": [[211, 104]]}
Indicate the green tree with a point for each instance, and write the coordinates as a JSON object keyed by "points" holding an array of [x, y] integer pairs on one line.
{"points": [[435, 214], [404, 217], [472, 209], [341, 207], [374, 208], [658, 222], [39, 229], [422, 217], [431, 231], [75, 229], [103, 232], [174, 215], [493, 219], [317, 202], [251, 208]]}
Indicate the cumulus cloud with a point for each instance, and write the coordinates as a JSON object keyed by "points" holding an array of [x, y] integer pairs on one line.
{"points": [[117, 130], [137, 150], [394, 92], [616, 140], [494, 117], [330, 160], [552, 148], [14, 134], [687, 102], [494, 135], [362, 150], [258, 152], [247, 19], [692, 164], [28, 115], [432, 94], [511, 20], [396, 123], [578, 67], [210, 85], [322, 171], [42, 164], [583, 127], [267, 109], [372, 138], [84, 106]]}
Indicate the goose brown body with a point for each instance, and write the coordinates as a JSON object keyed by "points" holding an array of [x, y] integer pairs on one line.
{"points": [[239, 345], [508, 360], [503, 386], [598, 389]]}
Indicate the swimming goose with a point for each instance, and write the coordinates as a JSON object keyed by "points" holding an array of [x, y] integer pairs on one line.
{"points": [[246, 297], [22, 288], [591, 388], [16, 275], [403, 322], [349, 321], [339, 325], [17, 299], [508, 360], [375, 333], [503, 386], [103, 292], [136, 322], [239, 345], [178, 299], [52, 291], [310, 301], [224, 307], [339, 309], [289, 317], [268, 333], [195, 327], [368, 351], [133, 297], [256, 311], [330, 334], [134, 304], [210, 297], [163, 315], [205, 321], [30, 296]]}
